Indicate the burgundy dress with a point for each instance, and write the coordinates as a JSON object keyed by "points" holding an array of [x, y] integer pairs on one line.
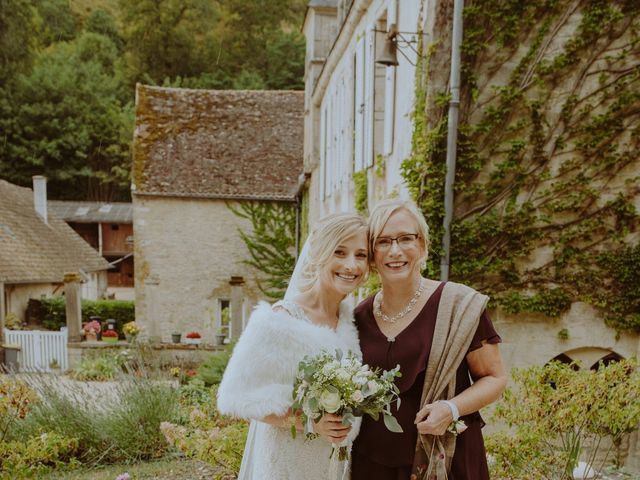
{"points": [[379, 454]]}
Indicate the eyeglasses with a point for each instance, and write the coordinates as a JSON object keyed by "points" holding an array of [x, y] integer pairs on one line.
{"points": [[407, 240]]}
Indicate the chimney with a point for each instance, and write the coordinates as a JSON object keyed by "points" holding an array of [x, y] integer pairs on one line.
{"points": [[40, 196]]}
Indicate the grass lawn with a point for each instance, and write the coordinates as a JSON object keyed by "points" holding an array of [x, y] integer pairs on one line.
{"points": [[163, 469]]}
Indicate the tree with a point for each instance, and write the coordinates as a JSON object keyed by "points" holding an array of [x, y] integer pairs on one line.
{"points": [[103, 23], [258, 37], [68, 123], [271, 243], [17, 23], [165, 38], [57, 21]]}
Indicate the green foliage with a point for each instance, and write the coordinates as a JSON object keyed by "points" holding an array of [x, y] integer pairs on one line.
{"points": [[69, 122], [556, 412], [103, 23], [165, 38], [550, 302], [135, 426], [212, 369], [119, 424], [57, 21], [100, 367], [210, 437], [17, 42], [545, 158], [563, 334], [271, 242], [371, 286], [361, 187], [37, 455], [122, 311], [262, 42]]}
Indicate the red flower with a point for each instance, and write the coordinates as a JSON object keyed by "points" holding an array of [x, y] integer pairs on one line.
{"points": [[193, 335], [110, 333]]}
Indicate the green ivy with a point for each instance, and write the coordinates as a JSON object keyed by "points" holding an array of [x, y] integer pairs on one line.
{"points": [[542, 157], [361, 185]]}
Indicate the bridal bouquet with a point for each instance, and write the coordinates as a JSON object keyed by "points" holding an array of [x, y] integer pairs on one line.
{"points": [[342, 385]]}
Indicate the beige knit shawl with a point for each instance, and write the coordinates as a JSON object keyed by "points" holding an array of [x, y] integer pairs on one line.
{"points": [[456, 324]]}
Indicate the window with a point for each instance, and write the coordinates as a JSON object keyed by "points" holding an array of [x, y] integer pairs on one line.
{"points": [[224, 317]]}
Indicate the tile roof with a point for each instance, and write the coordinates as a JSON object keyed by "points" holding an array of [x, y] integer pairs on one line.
{"points": [[218, 143], [92, 212], [32, 251]]}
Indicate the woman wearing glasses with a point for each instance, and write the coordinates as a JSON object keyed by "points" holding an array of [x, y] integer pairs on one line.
{"points": [[447, 348]]}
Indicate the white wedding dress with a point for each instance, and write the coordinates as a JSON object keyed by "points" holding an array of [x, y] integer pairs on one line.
{"points": [[259, 381]]}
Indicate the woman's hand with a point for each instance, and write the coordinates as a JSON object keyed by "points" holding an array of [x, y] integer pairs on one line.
{"points": [[330, 427], [434, 418]]}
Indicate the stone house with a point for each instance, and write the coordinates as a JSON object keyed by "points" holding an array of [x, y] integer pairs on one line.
{"points": [[359, 122], [196, 153], [108, 228], [37, 249]]}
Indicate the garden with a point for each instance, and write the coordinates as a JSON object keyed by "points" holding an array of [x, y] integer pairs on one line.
{"points": [[126, 415]]}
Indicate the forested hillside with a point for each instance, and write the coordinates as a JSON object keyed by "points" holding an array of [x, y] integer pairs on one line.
{"points": [[68, 70]]}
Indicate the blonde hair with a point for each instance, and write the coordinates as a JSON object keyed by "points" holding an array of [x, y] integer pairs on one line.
{"points": [[383, 210], [325, 237]]}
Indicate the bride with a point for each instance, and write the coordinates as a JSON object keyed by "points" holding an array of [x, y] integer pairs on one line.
{"points": [[258, 382]]}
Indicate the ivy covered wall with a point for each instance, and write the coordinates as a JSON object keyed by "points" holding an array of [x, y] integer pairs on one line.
{"points": [[548, 174]]}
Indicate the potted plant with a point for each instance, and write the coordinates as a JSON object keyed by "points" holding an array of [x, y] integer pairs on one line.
{"points": [[220, 337], [131, 331], [175, 337], [193, 338], [110, 336], [91, 330]]}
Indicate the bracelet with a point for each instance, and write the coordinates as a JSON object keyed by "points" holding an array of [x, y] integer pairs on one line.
{"points": [[454, 409]]}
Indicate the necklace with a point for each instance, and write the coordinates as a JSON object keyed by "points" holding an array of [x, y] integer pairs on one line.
{"points": [[377, 306]]}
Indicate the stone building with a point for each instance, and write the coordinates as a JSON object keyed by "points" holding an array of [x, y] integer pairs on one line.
{"points": [[196, 152], [37, 249], [359, 121]]}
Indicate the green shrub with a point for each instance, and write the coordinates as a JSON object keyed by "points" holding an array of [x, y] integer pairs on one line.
{"points": [[556, 411], [99, 368], [210, 437], [212, 369], [134, 427], [122, 311], [119, 423], [37, 455]]}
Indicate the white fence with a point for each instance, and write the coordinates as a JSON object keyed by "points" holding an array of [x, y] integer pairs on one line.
{"points": [[39, 348]]}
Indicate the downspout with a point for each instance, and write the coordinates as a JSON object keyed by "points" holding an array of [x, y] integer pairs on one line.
{"points": [[452, 137]]}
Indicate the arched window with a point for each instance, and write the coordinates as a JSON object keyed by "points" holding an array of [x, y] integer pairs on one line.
{"points": [[606, 360]]}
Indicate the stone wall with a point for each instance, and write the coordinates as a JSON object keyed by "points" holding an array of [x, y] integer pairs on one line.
{"points": [[186, 251]]}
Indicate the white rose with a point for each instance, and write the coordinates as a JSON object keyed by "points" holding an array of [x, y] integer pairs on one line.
{"points": [[373, 387], [357, 396], [329, 401], [342, 374]]}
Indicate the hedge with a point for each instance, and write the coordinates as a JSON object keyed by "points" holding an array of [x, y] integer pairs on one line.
{"points": [[53, 311]]}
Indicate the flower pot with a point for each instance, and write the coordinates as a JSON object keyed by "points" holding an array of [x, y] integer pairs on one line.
{"points": [[110, 339], [193, 341], [220, 339], [91, 337], [175, 337]]}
